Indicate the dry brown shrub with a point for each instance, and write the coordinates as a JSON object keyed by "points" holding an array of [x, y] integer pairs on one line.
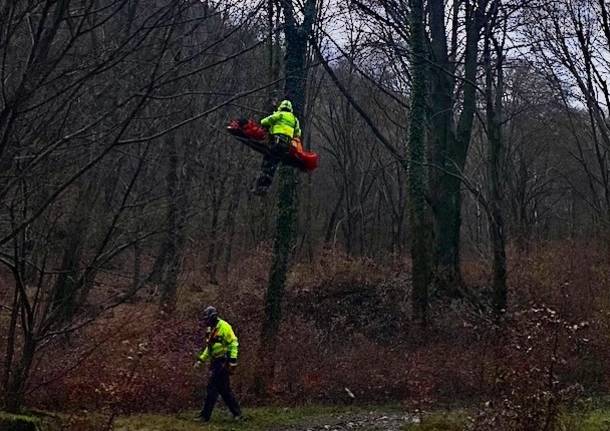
{"points": [[347, 325]]}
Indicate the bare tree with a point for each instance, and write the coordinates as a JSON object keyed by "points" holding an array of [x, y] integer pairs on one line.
{"points": [[297, 38], [571, 45], [81, 115]]}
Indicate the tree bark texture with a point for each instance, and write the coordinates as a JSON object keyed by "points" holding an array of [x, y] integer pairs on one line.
{"points": [[419, 217], [297, 36]]}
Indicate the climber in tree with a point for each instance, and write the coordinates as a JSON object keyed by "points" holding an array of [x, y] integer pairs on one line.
{"points": [[283, 126]]}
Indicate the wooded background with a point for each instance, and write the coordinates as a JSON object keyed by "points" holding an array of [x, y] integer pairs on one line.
{"points": [[464, 168]]}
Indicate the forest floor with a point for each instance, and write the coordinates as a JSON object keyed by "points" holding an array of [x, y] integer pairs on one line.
{"points": [[312, 418], [390, 418], [386, 418]]}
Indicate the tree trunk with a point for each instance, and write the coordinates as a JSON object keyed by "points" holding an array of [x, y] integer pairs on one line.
{"points": [[15, 390], [176, 219], [68, 284], [420, 225], [297, 36], [331, 226], [11, 340], [450, 142], [444, 189], [495, 156], [213, 238], [158, 268]]}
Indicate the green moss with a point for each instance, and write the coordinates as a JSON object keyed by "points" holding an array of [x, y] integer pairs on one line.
{"points": [[592, 420], [11, 416], [13, 422]]}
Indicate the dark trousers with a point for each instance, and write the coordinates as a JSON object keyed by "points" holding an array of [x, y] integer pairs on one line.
{"points": [[280, 145], [219, 384]]}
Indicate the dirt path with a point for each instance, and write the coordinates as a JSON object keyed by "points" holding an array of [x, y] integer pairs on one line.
{"points": [[278, 419], [371, 421]]}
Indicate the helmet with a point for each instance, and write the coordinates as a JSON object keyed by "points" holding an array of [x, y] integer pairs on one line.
{"points": [[285, 105], [210, 314]]}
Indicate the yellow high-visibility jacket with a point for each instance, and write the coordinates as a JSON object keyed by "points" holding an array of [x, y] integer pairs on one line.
{"points": [[222, 343], [282, 123]]}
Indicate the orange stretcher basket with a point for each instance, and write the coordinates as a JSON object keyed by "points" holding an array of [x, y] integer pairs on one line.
{"points": [[256, 137]]}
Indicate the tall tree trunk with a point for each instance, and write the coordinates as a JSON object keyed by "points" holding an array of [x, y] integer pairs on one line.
{"points": [[158, 267], [297, 36], [19, 371], [68, 283], [444, 189], [10, 343], [494, 106], [332, 221], [176, 220], [271, 70], [450, 141], [16, 388], [419, 217], [217, 193]]}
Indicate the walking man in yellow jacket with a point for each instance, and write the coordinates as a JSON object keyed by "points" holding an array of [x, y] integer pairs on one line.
{"points": [[221, 350], [282, 125]]}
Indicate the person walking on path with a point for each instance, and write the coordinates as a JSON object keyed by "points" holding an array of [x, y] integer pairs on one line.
{"points": [[221, 349]]}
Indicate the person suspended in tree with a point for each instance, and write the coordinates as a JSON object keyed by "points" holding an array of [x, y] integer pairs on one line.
{"points": [[282, 126]]}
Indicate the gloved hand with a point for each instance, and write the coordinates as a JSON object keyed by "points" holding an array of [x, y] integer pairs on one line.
{"points": [[232, 365]]}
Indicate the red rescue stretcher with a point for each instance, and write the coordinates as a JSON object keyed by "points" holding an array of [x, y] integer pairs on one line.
{"points": [[256, 137]]}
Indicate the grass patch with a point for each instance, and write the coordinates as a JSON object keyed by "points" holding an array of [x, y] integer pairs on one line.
{"points": [[257, 419], [36, 420], [587, 417], [13, 422], [597, 420], [591, 415], [14, 417]]}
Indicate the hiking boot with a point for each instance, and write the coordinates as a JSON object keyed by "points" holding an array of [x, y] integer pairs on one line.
{"points": [[201, 418]]}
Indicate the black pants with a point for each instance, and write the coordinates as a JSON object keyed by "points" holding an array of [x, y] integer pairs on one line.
{"points": [[280, 145], [219, 384]]}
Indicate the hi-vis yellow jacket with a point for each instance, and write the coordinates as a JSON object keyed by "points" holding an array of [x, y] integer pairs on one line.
{"points": [[282, 123], [221, 343]]}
